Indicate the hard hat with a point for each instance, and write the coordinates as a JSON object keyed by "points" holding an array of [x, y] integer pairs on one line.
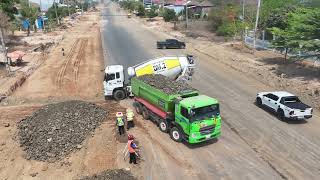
{"points": [[130, 137], [119, 114]]}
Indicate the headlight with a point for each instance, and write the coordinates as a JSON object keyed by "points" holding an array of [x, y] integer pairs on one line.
{"points": [[193, 135]]}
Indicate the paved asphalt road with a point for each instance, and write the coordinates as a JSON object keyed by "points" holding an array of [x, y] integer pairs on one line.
{"points": [[254, 144]]}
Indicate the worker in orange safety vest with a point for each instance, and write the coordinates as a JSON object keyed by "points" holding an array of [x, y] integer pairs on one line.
{"points": [[132, 149]]}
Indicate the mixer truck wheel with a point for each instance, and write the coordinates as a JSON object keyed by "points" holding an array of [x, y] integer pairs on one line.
{"points": [[145, 113], [119, 95], [163, 126], [175, 134]]}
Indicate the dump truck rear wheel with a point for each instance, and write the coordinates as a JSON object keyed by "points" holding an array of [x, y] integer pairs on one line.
{"points": [[145, 113], [175, 134], [119, 95], [163, 126]]}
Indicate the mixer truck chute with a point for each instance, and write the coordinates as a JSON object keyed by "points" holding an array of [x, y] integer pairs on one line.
{"points": [[179, 68]]}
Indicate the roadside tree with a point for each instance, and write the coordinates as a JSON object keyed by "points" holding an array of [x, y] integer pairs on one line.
{"points": [[301, 34], [7, 7], [151, 13], [169, 15], [29, 13]]}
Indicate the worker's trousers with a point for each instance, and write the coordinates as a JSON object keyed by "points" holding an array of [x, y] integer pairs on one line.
{"points": [[133, 158], [121, 130], [130, 124]]}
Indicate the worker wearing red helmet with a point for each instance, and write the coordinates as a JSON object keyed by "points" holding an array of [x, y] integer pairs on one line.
{"points": [[132, 149]]}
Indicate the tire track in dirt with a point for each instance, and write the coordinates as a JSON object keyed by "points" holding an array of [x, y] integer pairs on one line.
{"points": [[72, 64], [63, 69], [80, 57]]}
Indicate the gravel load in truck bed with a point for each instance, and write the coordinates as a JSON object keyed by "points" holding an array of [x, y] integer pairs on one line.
{"points": [[165, 84], [56, 130], [114, 174]]}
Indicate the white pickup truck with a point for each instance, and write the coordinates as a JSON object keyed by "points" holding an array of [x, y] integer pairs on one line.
{"points": [[286, 105]]}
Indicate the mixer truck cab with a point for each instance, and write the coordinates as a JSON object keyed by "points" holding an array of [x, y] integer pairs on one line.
{"points": [[114, 82], [197, 118]]}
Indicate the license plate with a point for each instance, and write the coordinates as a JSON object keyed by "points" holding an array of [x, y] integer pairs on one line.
{"points": [[208, 136], [300, 117]]}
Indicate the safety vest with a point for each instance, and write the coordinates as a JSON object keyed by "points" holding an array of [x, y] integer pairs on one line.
{"points": [[120, 121], [130, 116], [130, 149]]}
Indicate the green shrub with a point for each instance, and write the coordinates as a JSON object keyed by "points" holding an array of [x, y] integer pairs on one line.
{"points": [[141, 10], [169, 15]]}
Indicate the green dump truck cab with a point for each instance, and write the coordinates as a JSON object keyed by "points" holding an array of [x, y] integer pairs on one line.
{"points": [[198, 118], [186, 115]]}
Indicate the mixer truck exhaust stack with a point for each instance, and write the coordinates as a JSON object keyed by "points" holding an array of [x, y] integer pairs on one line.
{"points": [[178, 68]]}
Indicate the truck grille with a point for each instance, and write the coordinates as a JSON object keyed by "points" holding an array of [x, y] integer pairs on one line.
{"points": [[206, 130]]}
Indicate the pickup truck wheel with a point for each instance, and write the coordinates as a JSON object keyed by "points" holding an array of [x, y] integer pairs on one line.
{"points": [[119, 95], [259, 102], [163, 126], [175, 134], [280, 114], [138, 108], [145, 113]]}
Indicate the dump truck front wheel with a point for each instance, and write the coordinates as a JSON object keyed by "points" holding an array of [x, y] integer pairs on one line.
{"points": [[175, 134]]}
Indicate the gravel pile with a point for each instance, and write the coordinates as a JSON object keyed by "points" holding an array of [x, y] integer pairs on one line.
{"points": [[165, 84], [55, 130], [116, 174]]}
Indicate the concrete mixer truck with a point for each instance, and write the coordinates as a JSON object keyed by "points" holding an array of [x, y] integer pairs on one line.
{"points": [[179, 68]]}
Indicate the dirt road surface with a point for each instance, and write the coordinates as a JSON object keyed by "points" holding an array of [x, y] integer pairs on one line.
{"points": [[254, 143], [75, 75]]}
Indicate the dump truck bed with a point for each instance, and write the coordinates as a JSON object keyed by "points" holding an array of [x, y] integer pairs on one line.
{"points": [[160, 90]]}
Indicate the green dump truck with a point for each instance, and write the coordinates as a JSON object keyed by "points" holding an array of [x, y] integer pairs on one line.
{"points": [[182, 112]]}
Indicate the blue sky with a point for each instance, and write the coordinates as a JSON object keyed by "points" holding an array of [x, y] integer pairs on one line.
{"points": [[44, 3]]}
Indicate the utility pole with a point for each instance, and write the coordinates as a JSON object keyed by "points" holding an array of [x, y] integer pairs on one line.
{"points": [[68, 7], [55, 8], [186, 16], [256, 26], [186, 4], [243, 4], [4, 49]]}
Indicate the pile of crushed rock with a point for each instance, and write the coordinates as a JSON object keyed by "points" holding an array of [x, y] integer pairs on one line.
{"points": [[56, 130], [114, 174]]}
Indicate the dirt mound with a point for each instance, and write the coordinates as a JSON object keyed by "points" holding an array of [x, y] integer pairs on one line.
{"points": [[55, 130], [165, 84], [116, 174]]}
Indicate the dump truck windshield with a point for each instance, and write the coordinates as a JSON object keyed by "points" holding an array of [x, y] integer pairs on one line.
{"points": [[206, 112]]}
